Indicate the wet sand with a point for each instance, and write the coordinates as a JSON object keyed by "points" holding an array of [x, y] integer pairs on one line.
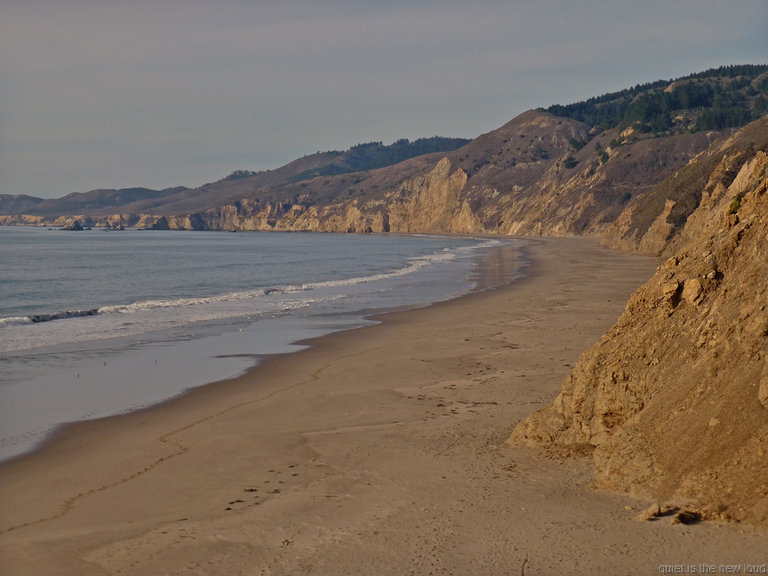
{"points": [[376, 451]]}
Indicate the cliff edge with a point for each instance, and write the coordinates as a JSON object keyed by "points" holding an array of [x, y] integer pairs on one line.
{"points": [[672, 402]]}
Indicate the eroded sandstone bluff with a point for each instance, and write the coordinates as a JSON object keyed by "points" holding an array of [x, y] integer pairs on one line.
{"points": [[674, 398], [428, 203]]}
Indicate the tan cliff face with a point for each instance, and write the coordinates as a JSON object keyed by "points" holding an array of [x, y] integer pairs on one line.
{"points": [[674, 397], [655, 221], [584, 192], [432, 203]]}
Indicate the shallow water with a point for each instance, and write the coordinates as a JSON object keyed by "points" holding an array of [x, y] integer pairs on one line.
{"points": [[96, 323]]}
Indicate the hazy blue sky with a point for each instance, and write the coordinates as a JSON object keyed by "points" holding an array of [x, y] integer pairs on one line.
{"points": [[114, 93]]}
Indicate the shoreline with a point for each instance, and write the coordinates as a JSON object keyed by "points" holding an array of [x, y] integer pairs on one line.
{"points": [[143, 368], [497, 267], [375, 450]]}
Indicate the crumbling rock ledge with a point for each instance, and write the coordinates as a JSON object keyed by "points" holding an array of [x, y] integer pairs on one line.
{"points": [[674, 397]]}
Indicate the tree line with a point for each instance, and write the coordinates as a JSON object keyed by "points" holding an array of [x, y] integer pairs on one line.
{"points": [[723, 97]]}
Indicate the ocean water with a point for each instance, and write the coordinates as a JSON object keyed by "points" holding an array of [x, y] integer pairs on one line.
{"points": [[95, 323]]}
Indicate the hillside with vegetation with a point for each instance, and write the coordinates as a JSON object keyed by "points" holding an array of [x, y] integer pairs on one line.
{"points": [[238, 184], [654, 222], [719, 98], [373, 155]]}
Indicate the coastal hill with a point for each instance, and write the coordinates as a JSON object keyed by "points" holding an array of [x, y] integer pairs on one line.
{"points": [[131, 203], [570, 169], [672, 402]]}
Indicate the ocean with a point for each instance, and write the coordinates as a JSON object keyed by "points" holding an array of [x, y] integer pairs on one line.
{"points": [[95, 323]]}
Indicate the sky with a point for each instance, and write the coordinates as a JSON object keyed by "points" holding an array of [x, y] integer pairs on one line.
{"points": [[161, 93]]}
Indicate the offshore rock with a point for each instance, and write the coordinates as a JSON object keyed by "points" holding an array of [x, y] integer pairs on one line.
{"points": [[72, 225]]}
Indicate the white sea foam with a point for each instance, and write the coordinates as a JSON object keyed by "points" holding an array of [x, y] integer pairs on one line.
{"points": [[179, 302], [414, 265], [136, 318], [15, 321]]}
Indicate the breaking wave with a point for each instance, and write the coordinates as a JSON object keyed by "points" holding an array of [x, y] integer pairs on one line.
{"points": [[413, 265]]}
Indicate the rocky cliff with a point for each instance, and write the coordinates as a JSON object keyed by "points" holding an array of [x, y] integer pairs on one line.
{"points": [[514, 180], [533, 175], [656, 221], [674, 398]]}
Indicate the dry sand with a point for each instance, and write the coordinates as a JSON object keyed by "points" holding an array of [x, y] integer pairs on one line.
{"points": [[377, 451]]}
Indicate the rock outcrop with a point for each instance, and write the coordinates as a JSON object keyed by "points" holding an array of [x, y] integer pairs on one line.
{"points": [[432, 203], [72, 225], [674, 398], [22, 220]]}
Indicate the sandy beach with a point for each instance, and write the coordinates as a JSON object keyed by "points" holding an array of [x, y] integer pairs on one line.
{"points": [[379, 450]]}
